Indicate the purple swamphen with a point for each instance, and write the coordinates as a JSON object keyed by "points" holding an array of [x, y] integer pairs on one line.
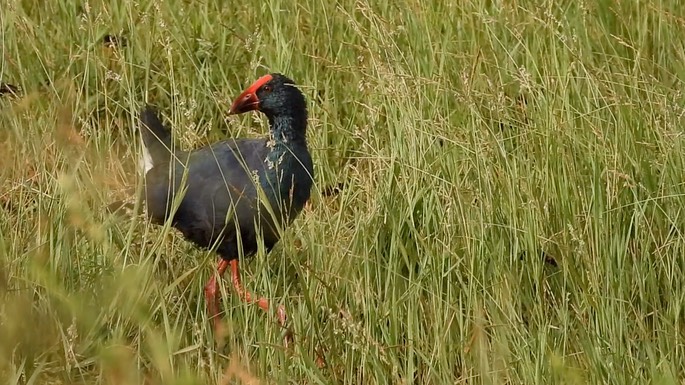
{"points": [[233, 193]]}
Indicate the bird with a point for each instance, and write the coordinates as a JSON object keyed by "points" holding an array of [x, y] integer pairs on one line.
{"points": [[231, 194]]}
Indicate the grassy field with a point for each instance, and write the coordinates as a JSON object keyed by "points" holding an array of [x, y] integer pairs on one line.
{"points": [[510, 210]]}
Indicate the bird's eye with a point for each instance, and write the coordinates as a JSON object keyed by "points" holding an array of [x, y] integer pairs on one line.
{"points": [[266, 88]]}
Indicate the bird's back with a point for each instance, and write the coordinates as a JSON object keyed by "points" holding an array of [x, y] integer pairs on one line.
{"points": [[221, 200]]}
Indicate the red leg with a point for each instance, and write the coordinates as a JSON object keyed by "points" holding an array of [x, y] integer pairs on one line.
{"points": [[212, 294], [249, 298]]}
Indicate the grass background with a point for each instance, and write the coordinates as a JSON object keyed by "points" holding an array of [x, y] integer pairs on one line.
{"points": [[468, 137]]}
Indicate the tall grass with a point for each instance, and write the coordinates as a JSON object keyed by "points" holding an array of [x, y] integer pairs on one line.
{"points": [[473, 141]]}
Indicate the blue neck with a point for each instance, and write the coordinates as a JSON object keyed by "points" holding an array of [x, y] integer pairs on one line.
{"points": [[287, 143], [289, 128]]}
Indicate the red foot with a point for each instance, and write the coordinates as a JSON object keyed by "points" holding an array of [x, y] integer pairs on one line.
{"points": [[212, 295]]}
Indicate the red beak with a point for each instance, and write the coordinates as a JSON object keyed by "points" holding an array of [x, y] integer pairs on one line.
{"points": [[248, 101]]}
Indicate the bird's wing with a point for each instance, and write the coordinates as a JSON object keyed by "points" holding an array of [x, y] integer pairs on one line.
{"points": [[225, 174]]}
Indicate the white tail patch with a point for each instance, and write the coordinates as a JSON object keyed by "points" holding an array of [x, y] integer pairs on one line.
{"points": [[145, 162]]}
